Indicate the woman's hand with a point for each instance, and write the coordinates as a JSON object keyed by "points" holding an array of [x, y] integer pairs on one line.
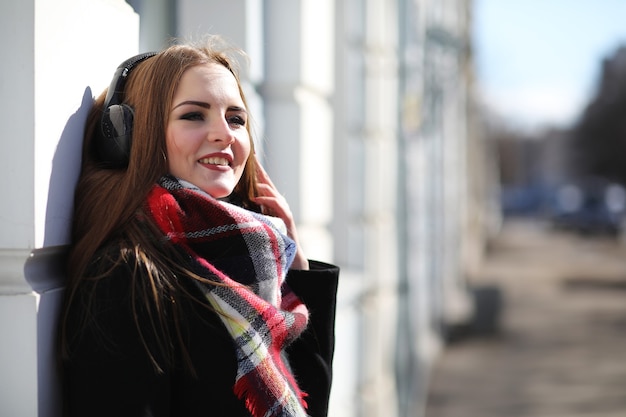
{"points": [[274, 204]]}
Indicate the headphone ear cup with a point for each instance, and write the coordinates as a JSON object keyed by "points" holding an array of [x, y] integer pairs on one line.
{"points": [[116, 129], [113, 139]]}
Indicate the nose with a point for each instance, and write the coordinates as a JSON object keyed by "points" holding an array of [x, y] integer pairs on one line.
{"points": [[220, 131]]}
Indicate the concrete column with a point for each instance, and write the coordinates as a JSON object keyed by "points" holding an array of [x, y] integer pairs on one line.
{"points": [[298, 82], [158, 23], [380, 130], [58, 55], [366, 109]]}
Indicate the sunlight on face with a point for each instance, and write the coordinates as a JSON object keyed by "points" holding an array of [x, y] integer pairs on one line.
{"points": [[206, 136]]}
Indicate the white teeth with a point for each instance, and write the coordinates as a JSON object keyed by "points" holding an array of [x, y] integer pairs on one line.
{"points": [[214, 160]]}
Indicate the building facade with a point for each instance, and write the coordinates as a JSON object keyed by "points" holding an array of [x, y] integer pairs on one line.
{"points": [[365, 120]]}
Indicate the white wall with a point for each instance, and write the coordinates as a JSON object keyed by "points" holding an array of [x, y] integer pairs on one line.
{"points": [[57, 56]]}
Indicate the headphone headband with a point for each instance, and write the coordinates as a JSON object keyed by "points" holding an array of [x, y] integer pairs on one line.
{"points": [[115, 93]]}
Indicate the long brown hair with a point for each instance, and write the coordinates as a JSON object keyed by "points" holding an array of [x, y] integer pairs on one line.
{"points": [[108, 202]]}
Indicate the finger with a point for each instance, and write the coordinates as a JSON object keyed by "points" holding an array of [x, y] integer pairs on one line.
{"points": [[264, 190], [270, 202], [267, 190], [270, 206]]}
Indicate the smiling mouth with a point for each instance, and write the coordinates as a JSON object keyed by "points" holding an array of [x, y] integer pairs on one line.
{"points": [[214, 160]]}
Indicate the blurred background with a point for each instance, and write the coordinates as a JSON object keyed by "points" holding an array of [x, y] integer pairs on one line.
{"points": [[552, 94], [552, 90], [462, 161]]}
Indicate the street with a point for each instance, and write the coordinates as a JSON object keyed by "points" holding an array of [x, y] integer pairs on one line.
{"points": [[561, 351]]}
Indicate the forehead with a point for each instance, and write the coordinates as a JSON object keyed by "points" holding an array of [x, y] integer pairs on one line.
{"points": [[208, 79]]}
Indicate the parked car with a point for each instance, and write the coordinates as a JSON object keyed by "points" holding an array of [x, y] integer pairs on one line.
{"points": [[592, 206]]}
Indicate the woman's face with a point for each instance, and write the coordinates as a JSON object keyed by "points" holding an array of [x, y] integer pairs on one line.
{"points": [[206, 136]]}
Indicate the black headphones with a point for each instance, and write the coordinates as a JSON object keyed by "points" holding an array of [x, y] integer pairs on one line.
{"points": [[114, 136]]}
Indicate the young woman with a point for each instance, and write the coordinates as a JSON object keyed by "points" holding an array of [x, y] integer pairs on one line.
{"points": [[188, 292]]}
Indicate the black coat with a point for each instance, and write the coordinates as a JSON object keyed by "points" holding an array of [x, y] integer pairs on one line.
{"points": [[110, 374]]}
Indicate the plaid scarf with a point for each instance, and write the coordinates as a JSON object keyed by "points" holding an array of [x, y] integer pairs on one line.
{"points": [[248, 253]]}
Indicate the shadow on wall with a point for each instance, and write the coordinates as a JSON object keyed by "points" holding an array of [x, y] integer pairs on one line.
{"points": [[64, 175], [45, 269]]}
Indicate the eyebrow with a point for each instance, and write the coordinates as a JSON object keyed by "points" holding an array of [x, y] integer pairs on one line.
{"points": [[193, 103], [207, 105]]}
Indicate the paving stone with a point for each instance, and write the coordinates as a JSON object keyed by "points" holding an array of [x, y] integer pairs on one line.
{"points": [[561, 351]]}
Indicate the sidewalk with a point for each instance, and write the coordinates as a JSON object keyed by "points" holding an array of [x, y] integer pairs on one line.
{"points": [[562, 348]]}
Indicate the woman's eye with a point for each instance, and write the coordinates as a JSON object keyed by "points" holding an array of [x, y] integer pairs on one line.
{"points": [[192, 116], [237, 120]]}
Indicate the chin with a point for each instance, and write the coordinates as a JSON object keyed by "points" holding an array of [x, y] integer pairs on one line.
{"points": [[218, 192]]}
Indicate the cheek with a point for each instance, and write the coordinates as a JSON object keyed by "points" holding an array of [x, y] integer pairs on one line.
{"points": [[170, 148], [245, 148], [243, 152]]}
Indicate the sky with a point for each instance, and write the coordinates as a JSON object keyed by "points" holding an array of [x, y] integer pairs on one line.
{"points": [[538, 61]]}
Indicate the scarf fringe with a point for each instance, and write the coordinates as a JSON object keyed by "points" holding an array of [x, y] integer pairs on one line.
{"points": [[287, 405]]}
